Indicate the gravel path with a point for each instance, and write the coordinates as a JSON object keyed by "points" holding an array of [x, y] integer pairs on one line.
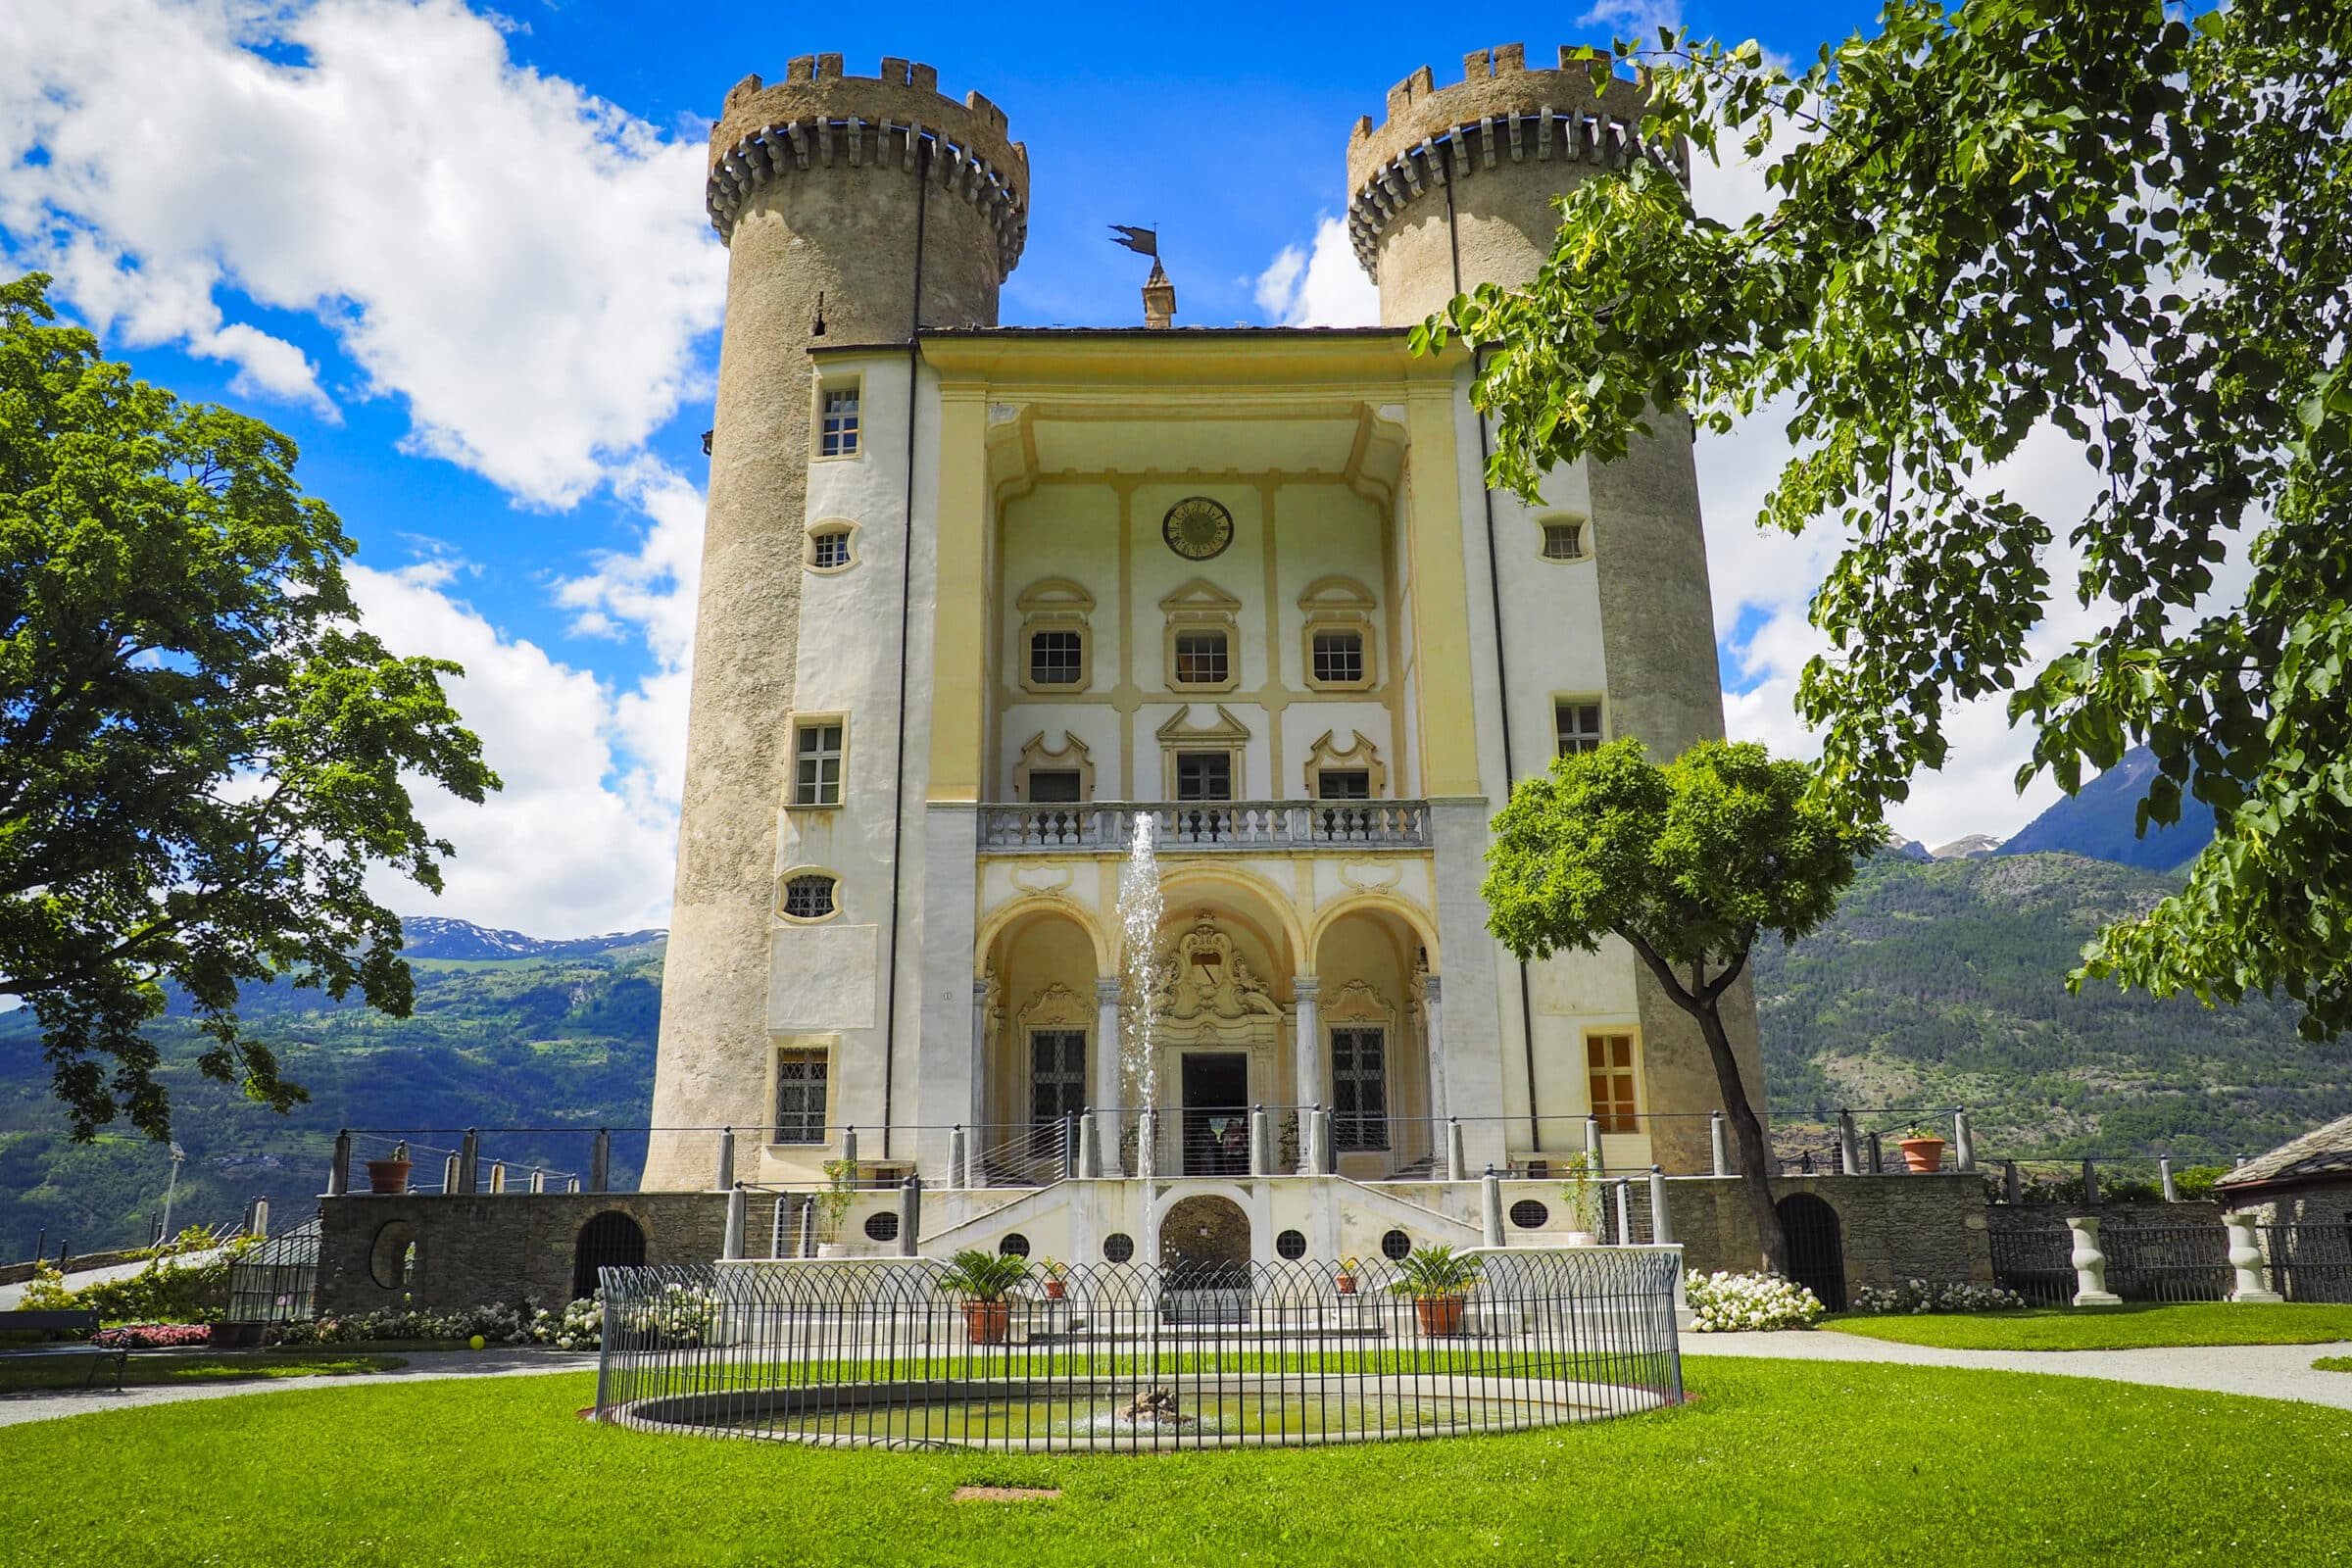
{"points": [[2266, 1371], [50, 1404]]}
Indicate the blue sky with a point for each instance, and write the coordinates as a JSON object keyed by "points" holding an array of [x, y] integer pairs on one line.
{"points": [[459, 256]]}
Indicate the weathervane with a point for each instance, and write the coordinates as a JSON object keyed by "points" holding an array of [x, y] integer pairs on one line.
{"points": [[1159, 295]]}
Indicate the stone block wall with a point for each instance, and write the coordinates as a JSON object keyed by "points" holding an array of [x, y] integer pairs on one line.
{"points": [[474, 1250], [2051, 1218], [1890, 1228]]}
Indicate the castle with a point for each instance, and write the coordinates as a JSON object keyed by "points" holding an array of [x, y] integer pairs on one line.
{"points": [[975, 598]]}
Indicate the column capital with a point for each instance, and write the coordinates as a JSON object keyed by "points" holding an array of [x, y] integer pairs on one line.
{"points": [[1108, 990], [1305, 987], [1432, 990], [980, 989]]}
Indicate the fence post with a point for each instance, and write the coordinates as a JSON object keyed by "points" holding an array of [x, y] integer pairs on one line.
{"points": [[807, 1248], [470, 1160], [600, 1163], [955, 1153], [975, 1159], [1069, 1143], [1261, 1142], [910, 1214], [1490, 1208], [1849, 1147], [1593, 1145], [1661, 1225], [2164, 1174], [775, 1225], [1877, 1155], [40, 1244], [1326, 1145], [1719, 1142], [498, 1175], [730, 1247], [2091, 1181], [2246, 1260], [2091, 1264], [1457, 1165], [849, 1152], [571, 1184], [1090, 1145], [1964, 1141], [338, 1175], [449, 1175], [538, 1179], [2013, 1187], [726, 1176], [260, 1218]]}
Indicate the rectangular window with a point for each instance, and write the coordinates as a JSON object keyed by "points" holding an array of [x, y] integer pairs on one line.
{"points": [[1204, 775], [800, 1097], [1563, 541], [1340, 657], [1053, 786], [1579, 724], [1199, 659], [1609, 1068], [1055, 658], [1344, 784], [1057, 1074], [1359, 1090], [837, 428], [816, 763], [827, 551]]}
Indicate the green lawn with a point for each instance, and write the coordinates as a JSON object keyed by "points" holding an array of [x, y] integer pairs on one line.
{"points": [[19, 1375], [2111, 1328], [2333, 1363], [1779, 1463]]}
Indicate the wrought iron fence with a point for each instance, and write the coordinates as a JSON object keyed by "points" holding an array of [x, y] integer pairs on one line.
{"points": [[2310, 1262], [902, 1355], [2145, 1263]]}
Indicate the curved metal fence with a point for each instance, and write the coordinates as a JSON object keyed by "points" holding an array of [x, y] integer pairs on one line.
{"points": [[903, 1354]]}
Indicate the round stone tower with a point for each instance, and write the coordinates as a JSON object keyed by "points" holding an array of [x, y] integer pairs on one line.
{"points": [[855, 208], [1454, 190]]}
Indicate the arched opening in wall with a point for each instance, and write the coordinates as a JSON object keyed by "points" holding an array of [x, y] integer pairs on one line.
{"points": [[1816, 1248], [1040, 1015], [610, 1240], [1225, 961], [392, 1258], [1205, 1246], [1371, 1023]]}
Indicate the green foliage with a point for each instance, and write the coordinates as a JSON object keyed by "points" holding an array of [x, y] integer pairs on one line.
{"points": [[203, 755], [979, 1275], [169, 1290], [1431, 1272], [2097, 218], [2114, 1328]]}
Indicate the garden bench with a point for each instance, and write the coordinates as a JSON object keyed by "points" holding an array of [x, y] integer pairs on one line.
{"points": [[56, 1322]]}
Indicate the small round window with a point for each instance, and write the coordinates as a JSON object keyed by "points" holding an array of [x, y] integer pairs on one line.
{"points": [[1290, 1244], [393, 1257], [809, 895], [1014, 1246], [1118, 1246], [1395, 1246], [882, 1227], [1530, 1215]]}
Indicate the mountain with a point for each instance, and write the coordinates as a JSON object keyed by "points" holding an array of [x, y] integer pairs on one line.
{"points": [[1943, 983], [428, 936], [2097, 821], [1972, 846]]}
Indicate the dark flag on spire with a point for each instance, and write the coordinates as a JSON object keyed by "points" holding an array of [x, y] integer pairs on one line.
{"points": [[1141, 241]]}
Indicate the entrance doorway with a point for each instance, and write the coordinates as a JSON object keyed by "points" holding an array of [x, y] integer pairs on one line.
{"points": [[1205, 1252], [1217, 1113], [611, 1240], [1816, 1249]]}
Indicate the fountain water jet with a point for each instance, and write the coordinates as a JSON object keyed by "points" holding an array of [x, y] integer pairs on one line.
{"points": [[1140, 912]]}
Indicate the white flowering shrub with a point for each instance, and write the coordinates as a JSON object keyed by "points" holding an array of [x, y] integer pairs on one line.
{"points": [[1918, 1295], [1732, 1303], [578, 1327]]}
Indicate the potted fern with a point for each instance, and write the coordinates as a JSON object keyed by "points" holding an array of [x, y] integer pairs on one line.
{"points": [[1440, 1281], [1581, 1192], [986, 1282]]}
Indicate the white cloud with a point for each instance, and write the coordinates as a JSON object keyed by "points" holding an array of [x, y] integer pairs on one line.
{"points": [[1319, 287], [522, 264]]}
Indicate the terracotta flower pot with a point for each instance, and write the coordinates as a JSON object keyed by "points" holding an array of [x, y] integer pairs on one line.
{"points": [[1924, 1154], [988, 1322], [389, 1175], [1346, 1284], [1441, 1315], [1056, 1289]]}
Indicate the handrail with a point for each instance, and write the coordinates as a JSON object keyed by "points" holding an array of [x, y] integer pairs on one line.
{"points": [[1190, 826]]}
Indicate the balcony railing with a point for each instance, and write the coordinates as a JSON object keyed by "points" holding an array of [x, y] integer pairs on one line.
{"points": [[1190, 827]]}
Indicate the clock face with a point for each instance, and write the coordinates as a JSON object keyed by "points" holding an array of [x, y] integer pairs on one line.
{"points": [[1198, 528]]}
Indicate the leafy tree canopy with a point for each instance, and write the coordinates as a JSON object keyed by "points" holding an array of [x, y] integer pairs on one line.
{"points": [[2091, 216], [201, 754]]}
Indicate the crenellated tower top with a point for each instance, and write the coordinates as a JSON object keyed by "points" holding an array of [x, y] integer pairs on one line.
{"points": [[1501, 113], [819, 118]]}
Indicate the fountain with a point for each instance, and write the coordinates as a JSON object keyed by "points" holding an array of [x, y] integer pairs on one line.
{"points": [[1139, 910]]}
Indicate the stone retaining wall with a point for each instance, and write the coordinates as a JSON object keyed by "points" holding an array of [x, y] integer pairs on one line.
{"points": [[474, 1250], [1891, 1228]]}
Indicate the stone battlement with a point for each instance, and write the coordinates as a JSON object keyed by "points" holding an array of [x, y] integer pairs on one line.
{"points": [[819, 117], [1499, 111]]}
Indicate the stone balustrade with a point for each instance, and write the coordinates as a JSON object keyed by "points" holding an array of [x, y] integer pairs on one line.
{"points": [[1189, 827]]}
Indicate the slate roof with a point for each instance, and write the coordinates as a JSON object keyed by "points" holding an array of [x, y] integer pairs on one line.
{"points": [[2324, 1151]]}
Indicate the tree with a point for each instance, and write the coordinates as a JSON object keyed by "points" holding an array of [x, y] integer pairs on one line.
{"points": [[201, 754], [1688, 863], [2086, 216]]}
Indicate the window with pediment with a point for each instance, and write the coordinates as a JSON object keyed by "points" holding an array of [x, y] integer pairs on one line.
{"points": [[1338, 634], [1057, 646]]}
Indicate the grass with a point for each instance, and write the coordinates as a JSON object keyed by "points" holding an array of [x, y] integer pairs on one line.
{"points": [[2111, 1328], [1779, 1463], [2333, 1363], [146, 1367]]}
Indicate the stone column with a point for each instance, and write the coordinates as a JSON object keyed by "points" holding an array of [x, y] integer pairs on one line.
{"points": [[1109, 1124], [2090, 1265], [1306, 1043], [1490, 1208], [2246, 1260], [979, 1096], [1432, 1036]]}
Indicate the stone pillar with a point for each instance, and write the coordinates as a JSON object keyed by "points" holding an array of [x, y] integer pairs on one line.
{"points": [[2164, 1174], [538, 1179], [1849, 1146], [470, 1160], [956, 1158], [1490, 1208], [1090, 1145], [975, 1165], [849, 1151], [775, 1225], [726, 1176], [731, 1246], [1661, 1225], [600, 1163], [1457, 1165], [1432, 1035], [1592, 1156], [1111, 1125], [1147, 1141], [1261, 1142], [1719, 1142], [1625, 1213], [979, 1095], [449, 1174], [2090, 1265], [498, 1175], [2013, 1186], [1307, 1045], [2246, 1260], [338, 1174], [1964, 1141], [2091, 1181], [260, 1218], [910, 1214]]}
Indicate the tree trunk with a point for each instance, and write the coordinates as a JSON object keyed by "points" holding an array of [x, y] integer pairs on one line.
{"points": [[1754, 1159]]}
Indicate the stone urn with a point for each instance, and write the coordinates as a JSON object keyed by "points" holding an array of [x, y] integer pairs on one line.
{"points": [[1923, 1155], [1441, 1315], [389, 1175], [988, 1322]]}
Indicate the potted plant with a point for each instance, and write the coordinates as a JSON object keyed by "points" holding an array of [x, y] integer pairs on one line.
{"points": [[390, 1175], [986, 1281], [833, 1205], [1057, 1278], [1922, 1151], [1439, 1280], [1349, 1268], [1581, 1192]]}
